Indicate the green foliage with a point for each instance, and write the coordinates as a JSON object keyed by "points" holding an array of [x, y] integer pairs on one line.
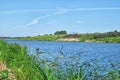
{"points": [[72, 36], [60, 32], [21, 64], [112, 75], [101, 37], [4, 75], [45, 37], [109, 39], [85, 37]]}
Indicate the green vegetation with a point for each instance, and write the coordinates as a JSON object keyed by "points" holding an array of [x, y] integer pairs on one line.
{"points": [[45, 37], [101, 37], [63, 36], [88, 37], [24, 66], [60, 32], [109, 39]]}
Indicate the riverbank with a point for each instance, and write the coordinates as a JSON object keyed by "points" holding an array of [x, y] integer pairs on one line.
{"points": [[81, 39], [68, 39], [107, 37], [15, 58]]}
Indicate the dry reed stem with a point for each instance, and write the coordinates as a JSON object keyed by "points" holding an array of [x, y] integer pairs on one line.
{"points": [[2, 66], [10, 73]]}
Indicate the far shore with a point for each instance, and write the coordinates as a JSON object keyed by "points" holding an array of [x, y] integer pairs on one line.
{"points": [[68, 39]]}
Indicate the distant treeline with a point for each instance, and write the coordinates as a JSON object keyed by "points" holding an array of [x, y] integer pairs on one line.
{"points": [[113, 36], [60, 32], [94, 35]]}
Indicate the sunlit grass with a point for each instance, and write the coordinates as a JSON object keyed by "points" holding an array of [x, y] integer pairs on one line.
{"points": [[21, 64]]}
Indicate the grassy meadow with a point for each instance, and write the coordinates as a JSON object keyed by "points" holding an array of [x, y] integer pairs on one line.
{"points": [[20, 65], [45, 37], [107, 37]]}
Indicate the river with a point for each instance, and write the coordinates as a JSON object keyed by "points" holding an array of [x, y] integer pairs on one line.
{"points": [[103, 53]]}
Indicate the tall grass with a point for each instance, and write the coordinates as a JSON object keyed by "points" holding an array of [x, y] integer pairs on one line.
{"points": [[24, 66]]}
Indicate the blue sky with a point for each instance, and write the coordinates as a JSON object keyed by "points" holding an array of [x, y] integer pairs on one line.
{"points": [[38, 17]]}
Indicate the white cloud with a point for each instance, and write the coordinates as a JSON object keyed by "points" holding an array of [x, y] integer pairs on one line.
{"points": [[92, 9], [35, 21], [25, 11], [57, 11], [45, 16]]}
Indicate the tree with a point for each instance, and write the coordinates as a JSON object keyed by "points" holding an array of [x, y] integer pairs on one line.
{"points": [[60, 32], [115, 31]]}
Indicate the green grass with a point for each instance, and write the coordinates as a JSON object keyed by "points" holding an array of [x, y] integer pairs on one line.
{"points": [[34, 67], [106, 40], [45, 37], [110, 39], [21, 64]]}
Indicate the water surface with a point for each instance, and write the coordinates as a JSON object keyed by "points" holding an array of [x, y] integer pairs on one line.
{"points": [[101, 52]]}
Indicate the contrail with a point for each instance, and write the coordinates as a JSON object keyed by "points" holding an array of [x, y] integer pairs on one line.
{"points": [[59, 9]]}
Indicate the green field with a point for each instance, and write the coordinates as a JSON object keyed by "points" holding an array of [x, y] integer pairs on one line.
{"points": [[45, 37]]}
